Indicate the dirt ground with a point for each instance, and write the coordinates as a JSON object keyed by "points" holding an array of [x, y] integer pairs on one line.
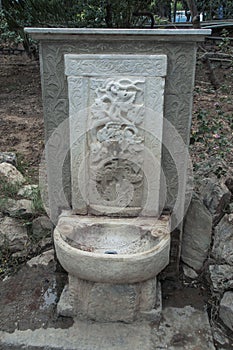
{"points": [[21, 116]]}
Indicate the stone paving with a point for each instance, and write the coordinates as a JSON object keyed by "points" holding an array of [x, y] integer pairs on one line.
{"points": [[185, 327], [28, 318], [181, 329]]}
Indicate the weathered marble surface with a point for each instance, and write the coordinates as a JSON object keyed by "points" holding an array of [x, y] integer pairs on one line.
{"points": [[142, 246], [112, 266], [178, 45], [116, 123], [105, 302], [82, 336], [180, 48]]}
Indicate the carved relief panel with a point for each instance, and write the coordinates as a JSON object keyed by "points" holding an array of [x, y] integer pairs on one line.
{"points": [[116, 121]]}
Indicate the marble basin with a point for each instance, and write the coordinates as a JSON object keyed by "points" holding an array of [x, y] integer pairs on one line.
{"points": [[117, 250]]}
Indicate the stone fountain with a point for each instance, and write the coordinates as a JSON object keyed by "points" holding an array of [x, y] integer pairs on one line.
{"points": [[116, 121], [117, 107]]}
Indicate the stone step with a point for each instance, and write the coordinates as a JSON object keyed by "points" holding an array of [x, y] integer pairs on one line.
{"points": [[180, 329]]}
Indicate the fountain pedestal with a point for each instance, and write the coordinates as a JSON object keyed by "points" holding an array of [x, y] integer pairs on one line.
{"points": [[103, 302]]}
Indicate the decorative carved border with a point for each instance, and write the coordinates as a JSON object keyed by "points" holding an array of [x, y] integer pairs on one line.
{"points": [[99, 65]]}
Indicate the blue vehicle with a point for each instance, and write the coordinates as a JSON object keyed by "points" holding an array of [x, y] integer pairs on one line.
{"points": [[180, 16]]}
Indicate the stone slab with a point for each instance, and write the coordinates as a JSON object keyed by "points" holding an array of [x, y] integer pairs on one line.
{"points": [[185, 34], [197, 235], [181, 329], [83, 336]]}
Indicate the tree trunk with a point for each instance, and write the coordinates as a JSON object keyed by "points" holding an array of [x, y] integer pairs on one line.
{"points": [[174, 12], [108, 17], [195, 16]]}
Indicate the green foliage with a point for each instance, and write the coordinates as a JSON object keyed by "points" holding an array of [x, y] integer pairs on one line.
{"points": [[37, 202], [7, 37], [225, 44], [77, 13], [8, 189], [7, 263], [211, 8], [81, 13], [213, 132]]}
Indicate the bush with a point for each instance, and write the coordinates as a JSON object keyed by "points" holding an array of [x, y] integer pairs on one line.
{"points": [[79, 13], [8, 37]]}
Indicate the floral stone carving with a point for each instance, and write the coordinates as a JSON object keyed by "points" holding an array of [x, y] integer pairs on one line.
{"points": [[115, 108], [116, 149]]}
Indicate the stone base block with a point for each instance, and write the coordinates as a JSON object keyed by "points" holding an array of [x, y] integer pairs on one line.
{"points": [[105, 302]]}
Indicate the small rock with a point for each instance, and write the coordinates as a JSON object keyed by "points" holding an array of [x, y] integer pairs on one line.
{"points": [[219, 336], [223, 241], [221, 277], [19, 208], [42, 259], [229, 184], [45, 243], [42, 227], [226, 309], [216, 197], [13, 235], [197, 234], [41, 245], [8, 157], [231, 208], [189, 272], [27, 191], [11, 174]]}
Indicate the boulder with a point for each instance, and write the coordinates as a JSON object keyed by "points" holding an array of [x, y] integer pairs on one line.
{"points": [[11, 174], [221, 277], [8, 157], [229, 184], [43, 259], [222, 250], [189, 272], [216, 197], [196, 235], [28, 191], [19, 208], [42, 227], [226, 309], [13, 235]]}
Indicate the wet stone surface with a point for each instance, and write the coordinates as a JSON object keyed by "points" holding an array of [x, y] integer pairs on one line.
{"points": [[28, 299]]}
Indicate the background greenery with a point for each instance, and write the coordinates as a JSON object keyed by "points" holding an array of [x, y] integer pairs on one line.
{"points": [[17, 14]]}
